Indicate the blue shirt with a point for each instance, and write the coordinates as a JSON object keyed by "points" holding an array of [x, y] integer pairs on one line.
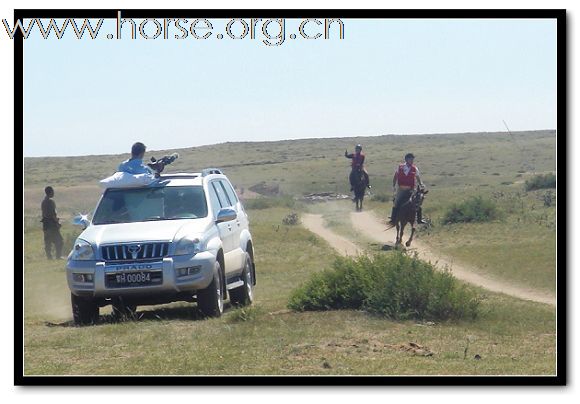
{"points": [[134, 166]]}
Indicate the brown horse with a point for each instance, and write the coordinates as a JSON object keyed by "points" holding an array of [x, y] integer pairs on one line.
{"points": [[407, 213]]}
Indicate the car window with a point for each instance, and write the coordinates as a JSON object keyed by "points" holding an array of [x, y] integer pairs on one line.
{"points": [[229, 192], [221, 185], [224, 202], [214, 200], [148, 204]]}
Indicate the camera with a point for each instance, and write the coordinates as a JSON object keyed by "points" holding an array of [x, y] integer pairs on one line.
{"points": [[159, 165]]}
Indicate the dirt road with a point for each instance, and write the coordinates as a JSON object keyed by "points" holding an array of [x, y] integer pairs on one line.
{"points": [[372, 227], [315, 223]]}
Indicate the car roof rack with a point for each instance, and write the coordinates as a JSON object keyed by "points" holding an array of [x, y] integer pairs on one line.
{"points": [[207, 171], [179, 175]]}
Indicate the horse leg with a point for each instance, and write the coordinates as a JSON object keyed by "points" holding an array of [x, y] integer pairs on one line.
{"points": [[397, 239], [408, 243], [402, 231]]}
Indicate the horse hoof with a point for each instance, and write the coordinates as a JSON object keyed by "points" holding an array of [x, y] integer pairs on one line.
{"points": [[408, 244]]}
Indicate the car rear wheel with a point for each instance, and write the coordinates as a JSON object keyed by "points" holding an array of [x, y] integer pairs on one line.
{"points": [[244, 295], [210, 300], [85, 310]]}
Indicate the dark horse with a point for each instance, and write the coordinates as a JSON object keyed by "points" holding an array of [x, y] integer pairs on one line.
{"points": [[359, 185], [407, 213]]}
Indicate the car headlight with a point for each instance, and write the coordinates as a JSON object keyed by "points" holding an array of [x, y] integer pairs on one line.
{"points": [[82, 251], [188, 246]]}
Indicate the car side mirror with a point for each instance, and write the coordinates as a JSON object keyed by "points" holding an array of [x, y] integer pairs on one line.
{"points": [[81, 220], [226, 215]]}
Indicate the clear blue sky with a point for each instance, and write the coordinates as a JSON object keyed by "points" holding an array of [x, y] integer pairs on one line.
{"points": [[387, 76]]}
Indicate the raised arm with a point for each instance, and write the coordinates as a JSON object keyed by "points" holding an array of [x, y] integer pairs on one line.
{"points": [[419, 180]]}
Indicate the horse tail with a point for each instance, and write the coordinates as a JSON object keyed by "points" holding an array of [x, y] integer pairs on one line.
{"points": [[390, 226]]}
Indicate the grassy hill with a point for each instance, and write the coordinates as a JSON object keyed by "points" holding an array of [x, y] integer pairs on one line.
{"points": [[463, 163]]}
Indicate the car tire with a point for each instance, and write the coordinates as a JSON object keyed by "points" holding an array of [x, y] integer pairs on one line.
{"points": [[123, 311], [210, 300], [244, 295], [85, 311]]}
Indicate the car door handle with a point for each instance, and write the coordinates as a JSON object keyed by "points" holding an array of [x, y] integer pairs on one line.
{"points": [[238, 222], [229, 226]]}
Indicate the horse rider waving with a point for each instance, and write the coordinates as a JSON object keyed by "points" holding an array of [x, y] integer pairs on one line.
{"points": [[358, 161], [405, 180]]}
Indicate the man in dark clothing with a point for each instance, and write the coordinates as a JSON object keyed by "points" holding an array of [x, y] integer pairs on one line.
{"points": [[358, 163], [51, 225]]}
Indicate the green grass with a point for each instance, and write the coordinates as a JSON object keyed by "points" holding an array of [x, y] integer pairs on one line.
{"points": [[512, 336], [265, 203]]}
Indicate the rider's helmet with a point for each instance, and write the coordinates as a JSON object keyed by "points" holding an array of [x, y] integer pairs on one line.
{"points": [[358, 147], [409, 156]]}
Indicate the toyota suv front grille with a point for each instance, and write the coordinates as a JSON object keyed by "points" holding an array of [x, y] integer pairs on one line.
{"points": [[134, 251]]}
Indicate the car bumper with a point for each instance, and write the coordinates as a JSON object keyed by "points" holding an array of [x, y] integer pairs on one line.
{"points": [[98, 274]]}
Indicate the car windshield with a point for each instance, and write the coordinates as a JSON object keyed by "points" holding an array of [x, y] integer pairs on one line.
{"points": [[149, 204]]}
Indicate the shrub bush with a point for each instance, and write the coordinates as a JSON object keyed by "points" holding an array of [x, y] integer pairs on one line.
{"points": [[475, 209], [541, 182], [396, 286], [291, 220]]}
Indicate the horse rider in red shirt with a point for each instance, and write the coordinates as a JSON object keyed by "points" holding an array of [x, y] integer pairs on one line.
{"points": [[405, 180], [358, 161]]}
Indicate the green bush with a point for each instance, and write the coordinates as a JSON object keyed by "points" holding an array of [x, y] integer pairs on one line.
{"points": [[396, 286], [541, 182], [475, 209]]}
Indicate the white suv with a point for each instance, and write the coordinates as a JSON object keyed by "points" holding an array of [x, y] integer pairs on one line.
{"points": [[184, 238]]}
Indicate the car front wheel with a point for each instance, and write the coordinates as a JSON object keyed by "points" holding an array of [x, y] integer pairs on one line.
{"points": [[210, 300], [85, 311]]}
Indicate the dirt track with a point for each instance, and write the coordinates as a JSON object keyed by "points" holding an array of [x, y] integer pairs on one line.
{"points": [[372, 227]]}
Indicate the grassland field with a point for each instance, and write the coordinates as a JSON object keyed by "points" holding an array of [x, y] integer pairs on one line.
{"points": [[511, 336]]}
